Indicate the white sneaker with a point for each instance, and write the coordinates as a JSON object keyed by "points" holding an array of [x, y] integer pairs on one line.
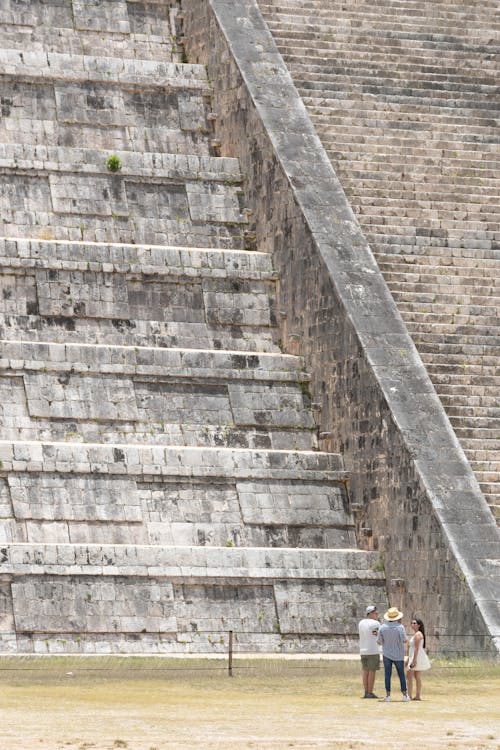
{"points": [[386, 699], [406, 698]]}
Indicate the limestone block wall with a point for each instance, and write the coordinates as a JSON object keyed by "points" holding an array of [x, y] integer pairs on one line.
{"points": [[120, 28], [161, 593], [419, 502], [136, 295], [71, 194], [160, 481], [177, 397]]}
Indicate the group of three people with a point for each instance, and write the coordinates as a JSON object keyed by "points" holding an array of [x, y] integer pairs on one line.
{"points": [[391, 636]]}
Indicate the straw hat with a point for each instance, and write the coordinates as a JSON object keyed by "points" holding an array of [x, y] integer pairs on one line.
{"points": [[393, 614]]}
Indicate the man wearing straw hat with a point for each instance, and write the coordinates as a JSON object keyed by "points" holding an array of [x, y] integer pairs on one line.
{"points": [[392, 637]]}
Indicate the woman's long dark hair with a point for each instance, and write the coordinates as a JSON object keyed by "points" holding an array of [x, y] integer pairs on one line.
{"points": [[420, 627]]}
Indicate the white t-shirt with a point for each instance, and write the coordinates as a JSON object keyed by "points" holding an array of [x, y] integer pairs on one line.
{"points": [[368, 634]]}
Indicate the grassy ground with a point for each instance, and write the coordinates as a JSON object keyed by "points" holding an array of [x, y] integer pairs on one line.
{"points": [[155, 704]]}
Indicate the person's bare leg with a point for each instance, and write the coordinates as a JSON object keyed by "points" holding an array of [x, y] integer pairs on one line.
{"points": [[365, 680], [418, 684], [371, 680], [409, 680]]}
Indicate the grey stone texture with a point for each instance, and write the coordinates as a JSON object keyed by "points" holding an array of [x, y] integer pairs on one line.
{"points": [[160, 481], [419, 503], [147, 30], [414, 141], [137, 295]]}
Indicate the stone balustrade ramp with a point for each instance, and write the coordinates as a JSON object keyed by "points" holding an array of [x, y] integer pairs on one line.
{"points": [[160, 482]]}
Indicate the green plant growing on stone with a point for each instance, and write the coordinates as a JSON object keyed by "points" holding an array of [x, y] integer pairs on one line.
{"points": [[114, 163], [229, 543], [379, 566]]}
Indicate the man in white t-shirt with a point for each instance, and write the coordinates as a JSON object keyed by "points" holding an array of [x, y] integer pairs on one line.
{"points": [[368, 648]]}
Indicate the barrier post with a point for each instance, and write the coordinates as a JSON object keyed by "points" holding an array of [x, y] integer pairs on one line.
{"points": [[230, 655]]}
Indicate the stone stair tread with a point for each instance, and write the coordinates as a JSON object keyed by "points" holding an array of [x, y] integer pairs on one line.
{"points": [[475, 389], [135, 258], [447, 279], [151, 560], [182, 461], [152, 361], [243, 337], [420, 245], [452, 265], [62, 67], [92, 161], [478, 363]]}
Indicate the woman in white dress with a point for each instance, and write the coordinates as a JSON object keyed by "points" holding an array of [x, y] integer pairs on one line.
{"points": [[418, 661]]}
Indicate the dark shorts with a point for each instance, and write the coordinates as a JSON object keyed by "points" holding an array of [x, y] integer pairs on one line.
{"points": [[371, 662]]}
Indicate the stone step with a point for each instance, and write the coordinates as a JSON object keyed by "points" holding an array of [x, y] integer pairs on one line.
{"points": [[136, 295], [349, 74], [457, 404], [372, 156], [121, 28], [492, 491], [474, 415], [363, 18], [444, 260], [459, 354], [173, 495], [429, 338], [483, 458], [412, 168], [436, 220], [414, 176], [336, 122], [485, 469], [455, 314], [428, 100], [458, 349], [447, 386], [420, 143], [400, 119], [378, 40], [156, 396], [65, 193], [103, 103], [405, 222], [467, 426], [461, 363], [454, 383], [107, 598], [489, 444], [486, 476], [422, 244], [402, 59], [418, 294], [440, 279]]}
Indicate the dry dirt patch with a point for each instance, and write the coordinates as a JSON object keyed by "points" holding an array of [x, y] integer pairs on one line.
{"points": [[155, 704]]}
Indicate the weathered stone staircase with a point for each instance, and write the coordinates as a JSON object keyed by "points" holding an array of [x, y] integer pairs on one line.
{"points": [[159, 477], [405, 98]]}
